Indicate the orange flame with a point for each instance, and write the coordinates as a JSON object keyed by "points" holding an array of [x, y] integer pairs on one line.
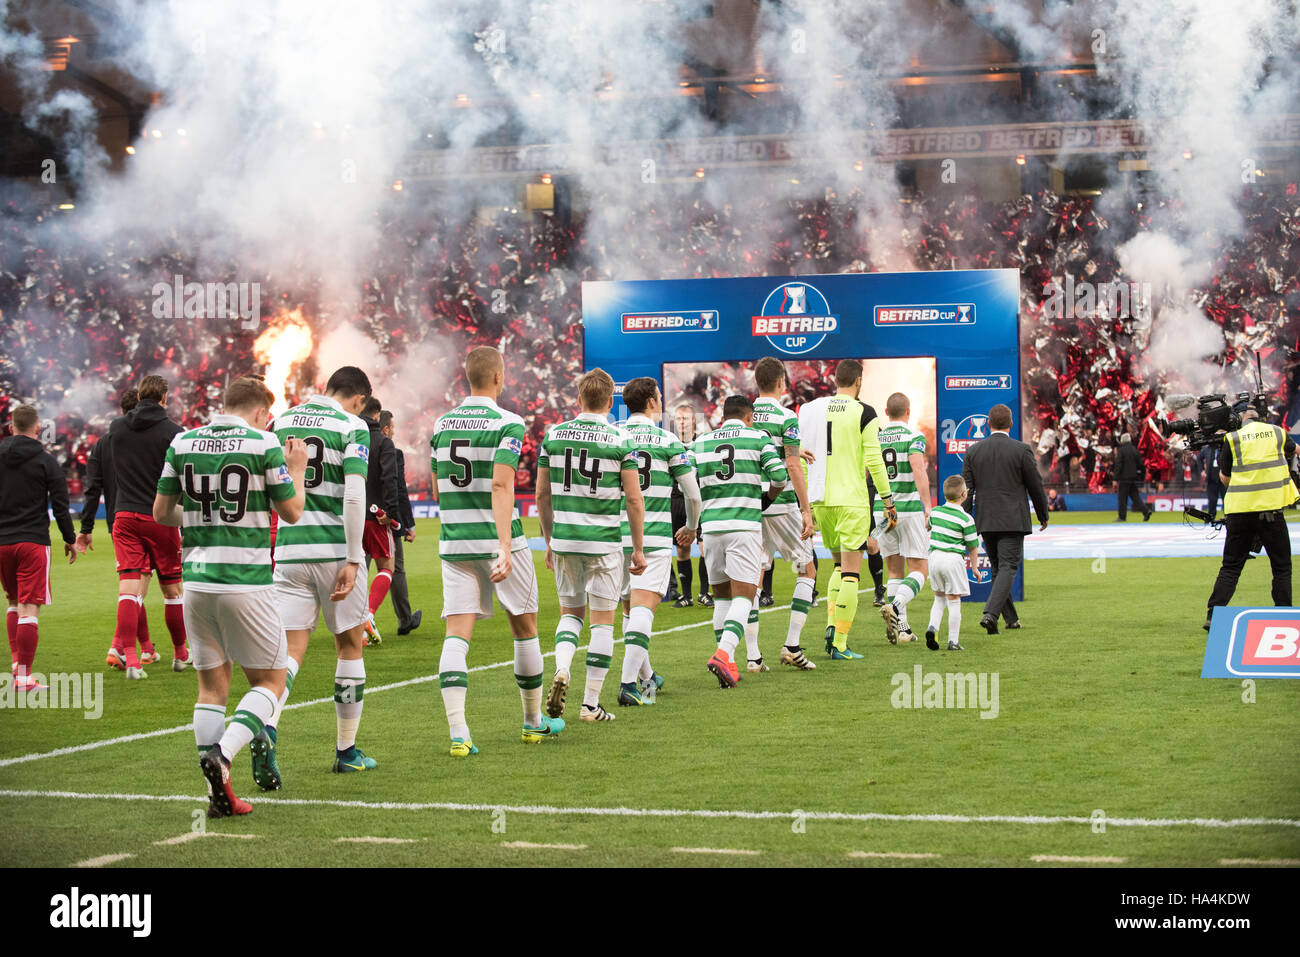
{"points": [[286, 342]]}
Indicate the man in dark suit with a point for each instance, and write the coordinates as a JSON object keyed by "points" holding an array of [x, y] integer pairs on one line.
{"points": [[407, 620], [1001, 474], [1128, 479]]}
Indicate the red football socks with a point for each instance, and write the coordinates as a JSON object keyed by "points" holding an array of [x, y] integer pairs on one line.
{"points": [[379, 590]]}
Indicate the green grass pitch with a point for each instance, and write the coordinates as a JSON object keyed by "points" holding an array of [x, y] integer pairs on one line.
{"points": [[1101, 709]]}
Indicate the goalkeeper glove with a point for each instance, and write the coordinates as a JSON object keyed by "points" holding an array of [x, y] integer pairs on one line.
{"points": [[891, 513]]}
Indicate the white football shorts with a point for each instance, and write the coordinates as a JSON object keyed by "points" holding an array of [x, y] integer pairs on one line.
{"points": [[658, 569], [734, 556], [302, 593], [781, 533], [594, 580], [239, 626], [467, 586], [948, 574], [909, 538]]}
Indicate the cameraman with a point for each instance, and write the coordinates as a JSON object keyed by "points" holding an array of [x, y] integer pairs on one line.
{"points": [[1256, 495]]}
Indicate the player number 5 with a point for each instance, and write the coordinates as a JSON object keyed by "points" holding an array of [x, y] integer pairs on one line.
{"points": [[458, 447]]}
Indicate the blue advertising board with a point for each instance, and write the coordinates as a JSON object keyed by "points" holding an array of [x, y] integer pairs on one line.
{"points": [[967, 320], [1253, 643]]}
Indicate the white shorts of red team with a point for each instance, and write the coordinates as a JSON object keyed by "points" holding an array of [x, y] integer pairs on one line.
{"points": [[948, 574], [239, 626], [302, 594], [595, 580], [784, 534], [909, 537], [734, 556], [658, 569], [467, 586]]}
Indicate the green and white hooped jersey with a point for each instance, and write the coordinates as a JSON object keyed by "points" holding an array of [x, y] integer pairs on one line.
{"points": [[586, 457], [783, 426], [226, 474], [338, 445], [732, 462], [468, 443], [952, 530], [898, 441], [661, 458]]}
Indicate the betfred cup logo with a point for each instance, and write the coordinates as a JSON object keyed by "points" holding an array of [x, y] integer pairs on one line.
{"points": [[957, 437], [963, 313], [795, 318], [795, 302]]}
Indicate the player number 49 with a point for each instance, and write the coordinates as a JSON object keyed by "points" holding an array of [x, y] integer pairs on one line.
{"points": [[229, 499]]}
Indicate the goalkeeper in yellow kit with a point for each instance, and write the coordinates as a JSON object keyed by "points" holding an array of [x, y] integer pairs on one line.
{"points": [[841, 432]]}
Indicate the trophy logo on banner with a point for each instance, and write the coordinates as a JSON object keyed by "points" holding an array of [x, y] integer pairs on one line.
{"points": [[795, 302]]}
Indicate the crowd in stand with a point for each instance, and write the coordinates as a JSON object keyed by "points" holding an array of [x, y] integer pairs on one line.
{"points": [[78, 327]]}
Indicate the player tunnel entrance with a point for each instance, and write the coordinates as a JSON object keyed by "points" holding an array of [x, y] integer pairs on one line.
{"points": [[949, 340]]}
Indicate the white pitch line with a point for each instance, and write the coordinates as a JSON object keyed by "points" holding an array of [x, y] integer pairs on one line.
{"points": [[1059, 859], [551, 810], [714, 850], [102, 861], [902, 855], [545, 810], [1260, 861], [195, 835], [423, 679], [377, 840], [530, 846]]}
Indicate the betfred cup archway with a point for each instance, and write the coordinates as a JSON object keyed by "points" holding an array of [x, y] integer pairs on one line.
{"points": [[965, 320]]}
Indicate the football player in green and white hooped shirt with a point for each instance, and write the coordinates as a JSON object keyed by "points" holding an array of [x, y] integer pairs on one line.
{"points": [[905, 547], [732, 463], [476, 450], [953, 544], [218, 484], [318, 562], [787, 522], [662, 461], [586, 476]]}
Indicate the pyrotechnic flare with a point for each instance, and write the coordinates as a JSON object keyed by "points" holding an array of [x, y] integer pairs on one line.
{"points": [[286, 342]]}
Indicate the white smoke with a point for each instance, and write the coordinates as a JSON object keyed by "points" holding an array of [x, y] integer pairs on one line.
{"points": [[1182, 348], [281, 127], [414, 386], [1159, 260], [1202, 79]]}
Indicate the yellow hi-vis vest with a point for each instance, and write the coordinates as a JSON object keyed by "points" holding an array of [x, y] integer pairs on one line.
{"points": [[1260, 480]]}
